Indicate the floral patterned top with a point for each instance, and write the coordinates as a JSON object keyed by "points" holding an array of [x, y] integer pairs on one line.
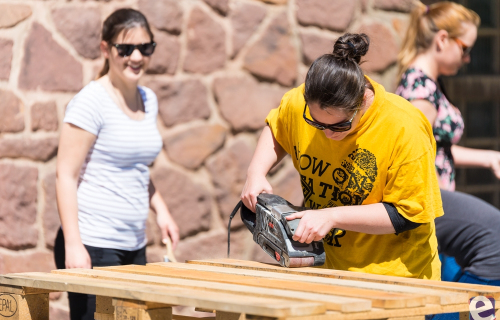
{"points": [[448, 127]]}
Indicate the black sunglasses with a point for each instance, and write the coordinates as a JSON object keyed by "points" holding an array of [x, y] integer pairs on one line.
{"points": [[124, 50], [337, 127]]}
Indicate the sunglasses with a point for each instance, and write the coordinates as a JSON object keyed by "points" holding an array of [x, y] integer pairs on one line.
{"points": [[465, 48], [337, 127], [124, 50]]}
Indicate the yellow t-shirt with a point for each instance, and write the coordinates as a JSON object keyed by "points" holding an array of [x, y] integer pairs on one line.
{"points": [[389, 157]]}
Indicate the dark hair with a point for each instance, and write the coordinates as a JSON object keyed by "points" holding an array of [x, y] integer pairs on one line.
{"points": [[336, 80], [122, 19]]}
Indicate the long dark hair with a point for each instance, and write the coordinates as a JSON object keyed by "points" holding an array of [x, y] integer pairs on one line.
{"points": [[122, 19], [336, 79]]}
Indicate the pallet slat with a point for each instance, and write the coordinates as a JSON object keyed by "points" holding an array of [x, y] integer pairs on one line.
{"points": [[331, 302], [472, 290], [443, 297], [378, 298], [167, 295]]}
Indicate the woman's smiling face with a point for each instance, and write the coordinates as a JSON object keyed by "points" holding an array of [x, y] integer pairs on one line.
{"points": [[129, 68]]}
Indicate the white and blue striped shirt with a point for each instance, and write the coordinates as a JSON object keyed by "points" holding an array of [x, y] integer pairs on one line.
{"points": [[113, 198]]}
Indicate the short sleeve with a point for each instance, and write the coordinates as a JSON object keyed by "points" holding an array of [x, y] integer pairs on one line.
{"points": [[85, 111], [422, 88], [279, 121], [413, 189]]}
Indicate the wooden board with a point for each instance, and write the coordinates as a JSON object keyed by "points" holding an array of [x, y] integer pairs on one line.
{"points": [[295, 283], [314, 284], [164, 294], [331, 302], [472, 290]]}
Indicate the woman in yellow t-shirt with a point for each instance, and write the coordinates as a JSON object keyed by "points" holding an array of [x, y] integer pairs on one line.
{"points": [[366, 164]]}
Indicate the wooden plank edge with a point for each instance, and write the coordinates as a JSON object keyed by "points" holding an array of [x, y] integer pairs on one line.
{"points": [[90, 286], [472, 289]]}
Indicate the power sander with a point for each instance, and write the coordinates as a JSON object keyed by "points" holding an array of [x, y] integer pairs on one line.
{"points": [[273, 233]]}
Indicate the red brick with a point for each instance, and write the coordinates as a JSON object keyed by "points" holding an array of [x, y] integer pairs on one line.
{"points": [[245, 18], [44, 116], [186, 147], [18, 198], [11, 112], [47, 66], [181, 101], [273, 57], [188, 202], [12, 14], [244, 102], [206, 43], [82, 27], [41, 149], [6, 54]]}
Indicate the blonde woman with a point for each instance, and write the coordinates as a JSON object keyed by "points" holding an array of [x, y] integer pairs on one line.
{"points": [[438, 42]]}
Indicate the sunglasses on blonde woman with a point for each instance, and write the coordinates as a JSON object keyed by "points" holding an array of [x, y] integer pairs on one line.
{"points": [[465, 48], [124, 50]]}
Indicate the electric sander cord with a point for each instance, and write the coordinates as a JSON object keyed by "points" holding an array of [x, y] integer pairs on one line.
{"points": [[238, 206]]}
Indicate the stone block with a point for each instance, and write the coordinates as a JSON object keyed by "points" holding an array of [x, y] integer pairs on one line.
{"points": [[333, 15], [51, 221], [27, 262], [188, 202], [206, 43], [221, 6], [193, 145], [40, 149], [245, 18], [273, 57], [383, 50], [244, 102], [228, 169], [11, 112], [18, 201], [181, 101], [44, 116], [6, 54], [213, 245], [394, 5], [164, 15], [166, 55], [82, 27], [47, 66], [314, 46], [12, 14]]}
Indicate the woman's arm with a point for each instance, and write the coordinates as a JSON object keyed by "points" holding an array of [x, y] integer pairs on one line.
{"points": [[468, 157], [74, 144], [267, 154], [316, 224], [168, 227]]}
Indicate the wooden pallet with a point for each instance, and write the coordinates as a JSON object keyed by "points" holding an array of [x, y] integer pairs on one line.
{"points": [[237, 290]]}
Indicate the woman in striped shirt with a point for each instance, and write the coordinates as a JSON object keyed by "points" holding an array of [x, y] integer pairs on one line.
{"points": [[108, 140]]}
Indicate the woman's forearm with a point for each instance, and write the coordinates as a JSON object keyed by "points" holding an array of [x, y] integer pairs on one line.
{"points": [[468, 157], [66, 190], [370, 218], [267, 154]]}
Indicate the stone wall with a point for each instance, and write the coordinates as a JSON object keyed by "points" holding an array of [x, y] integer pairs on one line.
{"points": [[220, 66]]}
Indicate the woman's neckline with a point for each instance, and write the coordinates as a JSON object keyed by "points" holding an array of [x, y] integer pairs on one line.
{"points": [[118, 107]]}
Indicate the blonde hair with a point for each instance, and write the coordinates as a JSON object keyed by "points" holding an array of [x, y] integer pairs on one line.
{"points": [[425, 21]]}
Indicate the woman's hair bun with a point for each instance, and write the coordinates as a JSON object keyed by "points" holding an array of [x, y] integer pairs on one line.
{"points": [[351, 46]]}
